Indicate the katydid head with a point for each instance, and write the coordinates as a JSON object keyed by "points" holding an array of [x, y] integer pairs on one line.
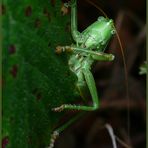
{"points": [[106, 29], [98, 34]]}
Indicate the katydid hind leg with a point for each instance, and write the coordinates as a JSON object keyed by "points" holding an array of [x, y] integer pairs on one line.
{"points": [[92, 87], [93, 91], [83, 90]]}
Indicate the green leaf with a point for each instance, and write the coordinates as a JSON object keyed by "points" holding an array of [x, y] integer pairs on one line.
{"points": [[143, 68], [35, 79]]}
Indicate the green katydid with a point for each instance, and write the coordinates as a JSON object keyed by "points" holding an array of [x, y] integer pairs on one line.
{"points": [[90, 46], [95, 37]]}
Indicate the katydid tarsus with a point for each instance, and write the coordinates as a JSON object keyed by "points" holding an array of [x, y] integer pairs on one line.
{"points": [[89, 46]]}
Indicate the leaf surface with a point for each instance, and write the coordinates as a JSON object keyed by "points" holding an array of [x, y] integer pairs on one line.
{"points": [[35, 79]]}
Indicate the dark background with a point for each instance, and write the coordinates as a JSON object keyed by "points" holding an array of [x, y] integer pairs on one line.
{"points": [[125, 114]]}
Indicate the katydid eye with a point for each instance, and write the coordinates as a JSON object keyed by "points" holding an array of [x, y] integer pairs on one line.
{"points": [[113, 32], [100, 18], [102, 42]]}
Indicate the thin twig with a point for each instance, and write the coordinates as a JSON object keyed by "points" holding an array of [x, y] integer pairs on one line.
{"points": [[111, 133], [122, 142], [114, 137]]}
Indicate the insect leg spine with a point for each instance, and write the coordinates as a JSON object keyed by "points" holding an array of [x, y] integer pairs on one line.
{"points": [[53, 138]]}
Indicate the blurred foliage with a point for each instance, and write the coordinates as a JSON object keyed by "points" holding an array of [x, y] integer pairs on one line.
{"points": [[35, 79], [143, 68]]}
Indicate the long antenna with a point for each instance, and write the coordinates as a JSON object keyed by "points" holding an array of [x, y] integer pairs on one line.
{"points": [[125, 66], [93, 4], [126, 85]]}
